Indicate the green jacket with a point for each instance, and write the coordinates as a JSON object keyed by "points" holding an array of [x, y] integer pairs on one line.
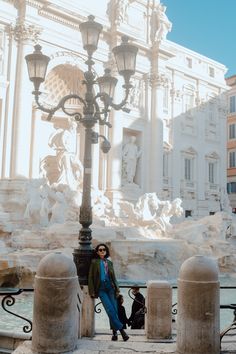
{"points": [[94, 277]]}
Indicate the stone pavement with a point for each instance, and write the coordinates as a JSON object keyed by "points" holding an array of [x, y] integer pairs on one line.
{"points": [[137, 344]]}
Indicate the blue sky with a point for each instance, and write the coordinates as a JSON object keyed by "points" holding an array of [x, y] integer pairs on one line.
{"points": [[205, 26]]}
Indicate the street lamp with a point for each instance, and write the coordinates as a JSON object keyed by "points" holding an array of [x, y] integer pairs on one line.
{"points": [[125, 56]]}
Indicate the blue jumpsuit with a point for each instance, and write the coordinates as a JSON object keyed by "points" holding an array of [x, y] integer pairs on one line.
{"points": [[107, 295]]}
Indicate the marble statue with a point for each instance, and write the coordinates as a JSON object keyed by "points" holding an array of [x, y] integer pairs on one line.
{"points": [[65, 204], [47, 205], [165, 210], [131, 154], [59, 209], [52, 214], [45, 210], [163, 221], [101, 204], [151, 212], [122, 6], [224, 201], [37, 207], [176, 208], [68, 166], [160, 24], [147, 206]]}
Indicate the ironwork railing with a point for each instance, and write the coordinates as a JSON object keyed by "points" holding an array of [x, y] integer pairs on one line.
{"points": [[97, 308], [232, 326], [8, 300]]}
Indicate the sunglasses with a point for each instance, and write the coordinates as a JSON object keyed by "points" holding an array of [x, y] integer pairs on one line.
{"points": [[102, 250]]}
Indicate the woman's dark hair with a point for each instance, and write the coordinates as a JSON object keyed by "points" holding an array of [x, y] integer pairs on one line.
{"points": [[96, 250]]}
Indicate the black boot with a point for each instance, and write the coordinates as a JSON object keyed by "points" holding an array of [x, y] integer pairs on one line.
{"points": [[124, 335], [114, 336]]}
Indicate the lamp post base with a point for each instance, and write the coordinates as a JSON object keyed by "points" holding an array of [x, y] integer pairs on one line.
{"points": [[82, 258]]}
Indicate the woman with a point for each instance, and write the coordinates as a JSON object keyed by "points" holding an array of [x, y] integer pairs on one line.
{"points": [[102, 283]]}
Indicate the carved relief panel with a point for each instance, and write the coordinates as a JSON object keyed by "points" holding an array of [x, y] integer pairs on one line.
{"points": [[136, 99], [129, 15]]}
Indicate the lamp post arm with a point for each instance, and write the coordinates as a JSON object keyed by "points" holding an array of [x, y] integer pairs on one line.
{"points": [[109, 102], [50, 111], [120, 105], [60, 105], [98, 113]]}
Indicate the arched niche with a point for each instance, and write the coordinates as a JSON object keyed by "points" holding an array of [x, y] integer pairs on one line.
{"points": [[62, 80]]}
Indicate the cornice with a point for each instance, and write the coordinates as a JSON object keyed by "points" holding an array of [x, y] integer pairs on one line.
{"points": [[35, 3], [56, 16]]}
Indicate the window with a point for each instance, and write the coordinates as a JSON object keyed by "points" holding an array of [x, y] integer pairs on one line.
{"points": [[211, 172], [165, 164], [232, 104], [211, 111], [188, 98], [232, 159], [231, 187], [188, 213], [189, 101], [212, 213], [187, 169], [211, 71], [232, 131]]}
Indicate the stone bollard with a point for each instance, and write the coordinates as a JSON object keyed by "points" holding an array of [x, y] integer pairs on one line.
{"points": [[87, 318], [159, 310], [198, 324], [55, 314]]}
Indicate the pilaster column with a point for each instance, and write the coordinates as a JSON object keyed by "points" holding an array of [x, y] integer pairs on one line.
{"points": [[95, 160], [22, 111], [222, 111], [3, 124], [176, 110], [157, 81], [114, 158]]}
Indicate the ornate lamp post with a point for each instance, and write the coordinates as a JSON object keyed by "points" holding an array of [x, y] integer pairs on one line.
{"points": [[125, 56]]}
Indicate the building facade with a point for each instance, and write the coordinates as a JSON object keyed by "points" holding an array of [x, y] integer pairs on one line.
{"points": [[231, 142], [178, 105]]}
